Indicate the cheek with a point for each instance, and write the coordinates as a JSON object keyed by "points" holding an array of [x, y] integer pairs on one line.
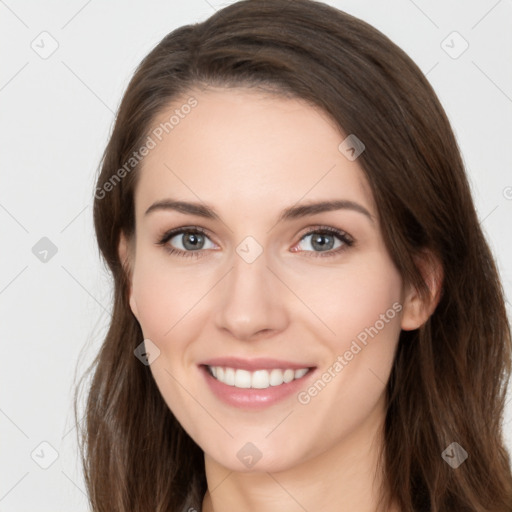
{"points": [[363, 296], [367, 327], [165, 310], [363, 308], [162, 296]]}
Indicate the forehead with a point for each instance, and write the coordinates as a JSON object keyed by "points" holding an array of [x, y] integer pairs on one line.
{"points": [[245, 149]]}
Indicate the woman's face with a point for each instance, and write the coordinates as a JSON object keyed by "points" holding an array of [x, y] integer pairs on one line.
{"points": [[263, 294]]}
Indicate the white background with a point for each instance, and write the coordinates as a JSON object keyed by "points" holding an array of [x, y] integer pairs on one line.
{"points": [[56, 115]]}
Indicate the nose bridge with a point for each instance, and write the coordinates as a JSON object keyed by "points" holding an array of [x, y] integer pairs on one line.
{"points": [[251, 299]]}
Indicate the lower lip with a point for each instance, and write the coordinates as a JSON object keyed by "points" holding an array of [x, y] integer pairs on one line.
{"points": [[250, 398]]}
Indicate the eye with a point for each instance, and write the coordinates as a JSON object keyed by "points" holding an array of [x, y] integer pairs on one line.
{"points": [[191, 241], [189, 245], [323, 240]]}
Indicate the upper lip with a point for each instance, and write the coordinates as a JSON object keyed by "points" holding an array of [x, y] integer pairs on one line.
{"points": [[255, 364]]}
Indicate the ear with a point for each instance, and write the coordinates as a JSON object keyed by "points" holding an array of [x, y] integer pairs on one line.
{"points": [[126, 256], [417, 310]]}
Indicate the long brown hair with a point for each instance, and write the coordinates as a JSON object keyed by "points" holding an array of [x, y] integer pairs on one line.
{"points": [[449, 378]]}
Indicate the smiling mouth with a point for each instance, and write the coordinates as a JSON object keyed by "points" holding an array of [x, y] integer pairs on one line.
{"points": [[259, 379]]}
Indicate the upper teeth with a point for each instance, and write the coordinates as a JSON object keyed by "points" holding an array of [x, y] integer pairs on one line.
{"points": [[260, 379]]}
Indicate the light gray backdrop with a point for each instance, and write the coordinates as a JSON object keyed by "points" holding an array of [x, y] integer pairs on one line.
{"points": [[64, 67]]}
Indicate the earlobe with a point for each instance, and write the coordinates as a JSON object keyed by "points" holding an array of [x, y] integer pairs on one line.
{"points": [[417, 310], [125, 257], [133, 305]]}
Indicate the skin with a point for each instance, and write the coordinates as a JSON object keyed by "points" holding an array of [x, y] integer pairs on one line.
{"points": [[250, 156]]}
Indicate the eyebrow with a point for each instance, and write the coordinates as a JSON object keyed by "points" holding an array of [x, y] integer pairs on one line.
{"points": [[293, 212]]}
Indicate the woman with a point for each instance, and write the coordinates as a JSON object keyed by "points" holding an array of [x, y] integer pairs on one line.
{"points": [[307, 315]]}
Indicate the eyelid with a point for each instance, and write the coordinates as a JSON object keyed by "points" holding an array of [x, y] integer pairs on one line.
{"points": [[167, 235], [325, 228]]}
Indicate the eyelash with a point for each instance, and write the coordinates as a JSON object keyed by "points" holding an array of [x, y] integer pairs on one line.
{"points": [[322, 230]]}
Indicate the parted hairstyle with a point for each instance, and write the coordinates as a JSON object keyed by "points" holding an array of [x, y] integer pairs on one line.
{"points": [[449, 377]]}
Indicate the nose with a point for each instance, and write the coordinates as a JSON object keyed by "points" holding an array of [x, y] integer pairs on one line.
{"points": [[251, 300]]}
